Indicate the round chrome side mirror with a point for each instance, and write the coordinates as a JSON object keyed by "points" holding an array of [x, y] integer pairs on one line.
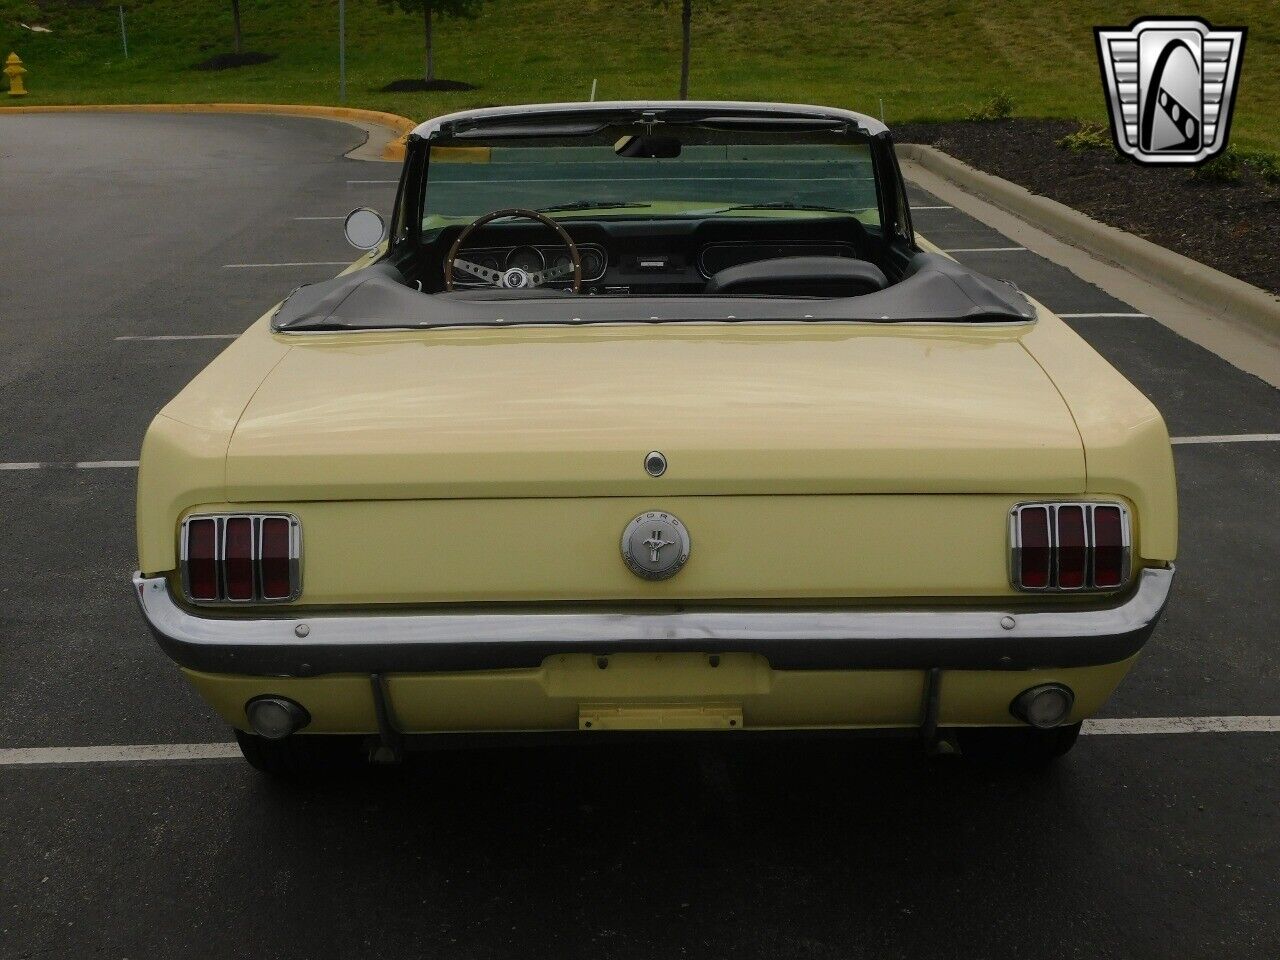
{"points": [[364, 228]]}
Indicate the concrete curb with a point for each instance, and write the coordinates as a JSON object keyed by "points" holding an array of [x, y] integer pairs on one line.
{"points": [[399, 127], [1210, 289]]}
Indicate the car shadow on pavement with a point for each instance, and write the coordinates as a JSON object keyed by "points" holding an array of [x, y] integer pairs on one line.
{"points": [[642, 850]]}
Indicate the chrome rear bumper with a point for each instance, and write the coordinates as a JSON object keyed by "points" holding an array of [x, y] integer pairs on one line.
{"points": [[272, 643]]}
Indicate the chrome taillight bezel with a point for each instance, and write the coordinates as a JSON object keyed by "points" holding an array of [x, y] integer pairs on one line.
{"points": [[1053, 506], [220, 542]]}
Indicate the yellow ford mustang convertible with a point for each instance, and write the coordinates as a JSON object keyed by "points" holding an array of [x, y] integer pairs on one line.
{"points": [[653, 417]]}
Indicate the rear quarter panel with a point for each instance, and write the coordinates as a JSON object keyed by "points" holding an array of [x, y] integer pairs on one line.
{"points": [[1126, 443]]}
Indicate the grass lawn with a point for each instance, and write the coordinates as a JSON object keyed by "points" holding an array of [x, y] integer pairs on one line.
{"points": [[925, 60]]}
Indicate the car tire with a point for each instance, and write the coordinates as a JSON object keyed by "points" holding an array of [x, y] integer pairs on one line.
{"points": [[1017, 746], [303, 757]]}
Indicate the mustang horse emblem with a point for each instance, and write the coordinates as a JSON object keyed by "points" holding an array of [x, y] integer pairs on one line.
{"points": [[644, 544], [656, 543]]}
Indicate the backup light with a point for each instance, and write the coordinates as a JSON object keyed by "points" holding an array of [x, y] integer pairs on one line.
{"points": [[274, 718], [1068, 546], [241, 558], [1044, 706]]}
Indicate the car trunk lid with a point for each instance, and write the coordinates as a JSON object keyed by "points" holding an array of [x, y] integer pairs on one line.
{"points": [[560, 412]]}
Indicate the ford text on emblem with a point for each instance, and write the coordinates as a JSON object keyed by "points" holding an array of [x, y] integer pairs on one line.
{"points": [[1170, 85], [655, 545]]}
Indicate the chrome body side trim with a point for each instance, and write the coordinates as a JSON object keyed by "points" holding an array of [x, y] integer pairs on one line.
{"points": [[301, 643]]}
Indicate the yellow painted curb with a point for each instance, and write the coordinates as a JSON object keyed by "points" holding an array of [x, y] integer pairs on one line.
{"points": [[399, 126]]}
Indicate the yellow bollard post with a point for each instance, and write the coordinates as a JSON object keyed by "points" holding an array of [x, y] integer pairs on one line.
{"points": [[14, 70]]}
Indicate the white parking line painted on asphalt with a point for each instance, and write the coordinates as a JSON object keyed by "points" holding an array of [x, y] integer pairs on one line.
{"points": [[187, 336], [937, 207], [309, 263], [1142, 726], [164, 752], [1088, 316], [984, 250], [175, 752], [1231, 438], [71, 465]]}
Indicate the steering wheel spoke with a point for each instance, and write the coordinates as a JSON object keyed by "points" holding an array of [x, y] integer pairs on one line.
{"points": [[476, 270], [550, 273]]}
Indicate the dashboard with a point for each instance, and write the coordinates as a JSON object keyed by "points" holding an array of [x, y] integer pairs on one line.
{"points": [[651, 256]]}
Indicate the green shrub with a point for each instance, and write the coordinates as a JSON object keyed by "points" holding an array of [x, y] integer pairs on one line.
{"points": [[1088, 136], [1230, 165], [1266, 165], [1224, 168], [997, 107]]}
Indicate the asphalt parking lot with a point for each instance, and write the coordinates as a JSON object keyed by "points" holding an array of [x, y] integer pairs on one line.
{"points": [[136, 246]]}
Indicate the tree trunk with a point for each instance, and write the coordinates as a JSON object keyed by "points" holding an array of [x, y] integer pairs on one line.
{"points": [[235, 19], [686, 17], [429, 68]]}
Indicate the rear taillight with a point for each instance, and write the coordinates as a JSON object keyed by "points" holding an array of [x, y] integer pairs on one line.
{"points": [[241, 558], [200, 559], [1110, 546], [237, 558], [1069, 546], [277, 560], [1073, 550], [1035, 555]]}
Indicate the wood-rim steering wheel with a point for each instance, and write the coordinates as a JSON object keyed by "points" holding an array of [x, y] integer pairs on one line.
{"points": [[513, 278]]}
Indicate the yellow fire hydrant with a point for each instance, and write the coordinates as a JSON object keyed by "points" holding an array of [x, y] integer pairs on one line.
{"points": [[14, 70]]}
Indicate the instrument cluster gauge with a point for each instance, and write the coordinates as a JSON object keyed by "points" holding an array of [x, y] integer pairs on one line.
{"points": [[526, 258], [592, 264]]}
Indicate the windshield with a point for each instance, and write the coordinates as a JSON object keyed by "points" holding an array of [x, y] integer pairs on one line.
{"points": [[613, 173]]}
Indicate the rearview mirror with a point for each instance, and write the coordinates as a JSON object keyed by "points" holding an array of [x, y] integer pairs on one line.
{"points": [[364, 228], [648, 147]]}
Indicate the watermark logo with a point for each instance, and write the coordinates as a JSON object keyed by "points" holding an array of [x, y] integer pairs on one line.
{"points": [[1170, 84]]}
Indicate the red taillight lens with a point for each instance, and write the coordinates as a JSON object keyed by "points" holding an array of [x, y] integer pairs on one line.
{"points": [[1070, 545], [1073, 566], [242, 557], [238, 557], [202, 559], [1108, 547], [1033, 530], [276, 579]]}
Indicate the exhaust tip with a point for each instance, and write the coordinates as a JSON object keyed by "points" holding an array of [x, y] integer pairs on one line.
{"points": [[1044, 706], [274, 718]]}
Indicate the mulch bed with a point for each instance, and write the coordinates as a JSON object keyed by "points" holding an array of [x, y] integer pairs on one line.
{"points": [[1232, 226], [228, 61], [426, 86]]}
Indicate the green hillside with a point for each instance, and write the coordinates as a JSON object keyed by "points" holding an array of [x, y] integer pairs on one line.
{"points": [[926, 59]]}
